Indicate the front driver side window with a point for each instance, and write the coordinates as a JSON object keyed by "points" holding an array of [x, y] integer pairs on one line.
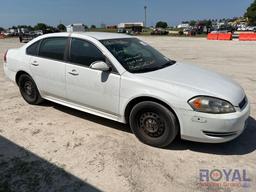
{"points": [[84, 53]]}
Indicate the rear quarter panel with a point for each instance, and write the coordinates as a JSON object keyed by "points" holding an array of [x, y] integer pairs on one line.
{"points": [[17, 60]]}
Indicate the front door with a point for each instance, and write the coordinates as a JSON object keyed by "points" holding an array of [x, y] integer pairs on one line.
{"points": [[91, 88]]}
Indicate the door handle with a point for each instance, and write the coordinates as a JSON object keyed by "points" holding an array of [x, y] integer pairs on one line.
{"points": [[35, 63], [73, 72]]}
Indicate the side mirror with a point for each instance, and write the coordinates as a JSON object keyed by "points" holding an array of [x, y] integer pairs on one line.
{"points": [[100, 65]]}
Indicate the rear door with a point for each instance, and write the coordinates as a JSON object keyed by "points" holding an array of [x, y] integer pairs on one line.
{"points": [[48, 67]]}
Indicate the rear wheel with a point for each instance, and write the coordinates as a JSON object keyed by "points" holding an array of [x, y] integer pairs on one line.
{"points": [[28, 90], [153, 124]]}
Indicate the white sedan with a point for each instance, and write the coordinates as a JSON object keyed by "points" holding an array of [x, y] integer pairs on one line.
{"points": [[122, 78]]}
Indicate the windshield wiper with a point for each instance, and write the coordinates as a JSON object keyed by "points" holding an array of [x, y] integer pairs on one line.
{"points": [[169, 63], [149, 69]]}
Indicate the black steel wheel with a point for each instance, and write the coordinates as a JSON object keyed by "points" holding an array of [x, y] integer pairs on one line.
{"points": [[153, 123], [28, 90]]}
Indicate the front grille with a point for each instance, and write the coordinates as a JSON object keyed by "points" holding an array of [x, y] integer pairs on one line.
{"points": [[219, 134], [243, 103]]}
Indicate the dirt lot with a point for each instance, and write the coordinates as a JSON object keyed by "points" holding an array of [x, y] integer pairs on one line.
{"points": [[55, 148]]}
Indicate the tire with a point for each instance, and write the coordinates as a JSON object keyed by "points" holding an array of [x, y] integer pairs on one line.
{"points": [[28, 90], [153, 124]]}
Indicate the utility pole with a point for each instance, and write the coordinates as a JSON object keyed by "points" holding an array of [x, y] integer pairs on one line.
{"points": [[145, 9]]}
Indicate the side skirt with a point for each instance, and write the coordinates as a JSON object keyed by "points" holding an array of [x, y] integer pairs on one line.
{"points": [[85, 109]]}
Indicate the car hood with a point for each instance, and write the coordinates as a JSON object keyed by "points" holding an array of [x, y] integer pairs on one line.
{"points": [[204, 82]]}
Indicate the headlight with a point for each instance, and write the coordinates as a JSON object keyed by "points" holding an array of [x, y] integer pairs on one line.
{"points": [[211, 105]]}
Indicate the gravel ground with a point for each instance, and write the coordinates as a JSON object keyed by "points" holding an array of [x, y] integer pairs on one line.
{"points": [[55, 148]]}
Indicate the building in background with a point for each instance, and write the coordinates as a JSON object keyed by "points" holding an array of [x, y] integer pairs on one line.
{"points": [[131, 26], [183, 26], [77, 27], [111, 26]]}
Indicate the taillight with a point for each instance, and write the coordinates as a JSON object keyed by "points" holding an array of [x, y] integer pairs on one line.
{"points": [[5, 56]]}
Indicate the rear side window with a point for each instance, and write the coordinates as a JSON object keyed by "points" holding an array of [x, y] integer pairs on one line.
{"points": [[53, 48], [84, 53], [33, 49]]}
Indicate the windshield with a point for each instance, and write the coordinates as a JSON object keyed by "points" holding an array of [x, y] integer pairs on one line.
{"points": [[136, 56]]}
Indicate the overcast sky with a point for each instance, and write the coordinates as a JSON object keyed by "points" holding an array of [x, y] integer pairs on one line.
{"points": [[52, 12]]}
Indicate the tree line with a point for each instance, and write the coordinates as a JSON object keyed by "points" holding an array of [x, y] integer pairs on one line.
{"points": [[44, 27], [250, 14]]}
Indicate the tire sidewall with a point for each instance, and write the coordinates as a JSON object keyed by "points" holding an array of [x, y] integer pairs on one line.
{"points": [[169, 119], [22, 79]]}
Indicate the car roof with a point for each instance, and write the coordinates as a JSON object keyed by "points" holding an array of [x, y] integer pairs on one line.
{"points": [[95, 35], [103, 35]]}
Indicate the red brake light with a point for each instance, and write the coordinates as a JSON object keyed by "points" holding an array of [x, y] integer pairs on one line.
{"points": [[5, 56]]}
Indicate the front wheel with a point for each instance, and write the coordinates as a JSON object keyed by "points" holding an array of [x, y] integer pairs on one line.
{"points": [[29, 90], [153, 124]]}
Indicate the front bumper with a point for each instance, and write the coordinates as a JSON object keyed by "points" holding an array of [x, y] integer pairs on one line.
{"points": [[213, 128]]}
